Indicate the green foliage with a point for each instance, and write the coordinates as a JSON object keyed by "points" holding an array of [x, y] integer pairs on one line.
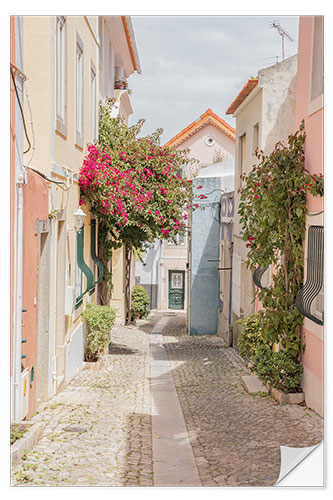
{"points": [[100, 320], [272, 213], [278, 368], [140, 301], [17, 431], [251, 336], [133, 186]]}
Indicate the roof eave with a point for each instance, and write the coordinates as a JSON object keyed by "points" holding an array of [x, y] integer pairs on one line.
{"points": [[130, 37]]}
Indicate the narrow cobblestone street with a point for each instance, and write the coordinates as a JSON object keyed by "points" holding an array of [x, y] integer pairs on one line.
{"points": [[98, 430]]}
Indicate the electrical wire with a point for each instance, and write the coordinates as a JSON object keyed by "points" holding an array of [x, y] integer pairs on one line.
{"points": [[45, 177], [26, 134], [22, 114]]}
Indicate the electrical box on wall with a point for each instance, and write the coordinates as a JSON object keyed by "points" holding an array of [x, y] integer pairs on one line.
{"points": [[69, 300]]}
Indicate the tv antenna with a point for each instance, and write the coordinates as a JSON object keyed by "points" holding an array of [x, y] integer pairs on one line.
{"points": [[283, 33]]}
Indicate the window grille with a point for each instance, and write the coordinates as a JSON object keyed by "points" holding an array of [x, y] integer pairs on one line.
{"points": [[83, 267], [257, 275], [94, 257], [311, 291]]}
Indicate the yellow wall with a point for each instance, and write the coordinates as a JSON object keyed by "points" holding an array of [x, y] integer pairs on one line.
{"points": [[56, 154]]}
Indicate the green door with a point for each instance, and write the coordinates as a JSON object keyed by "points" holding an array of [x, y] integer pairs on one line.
{"points": [[176, 289]]}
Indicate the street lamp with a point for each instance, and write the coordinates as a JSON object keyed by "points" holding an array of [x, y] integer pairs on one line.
{"points": [[79, 216]]}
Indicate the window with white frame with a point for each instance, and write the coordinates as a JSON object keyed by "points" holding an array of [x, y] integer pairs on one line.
{"points": [[255, 136], [61, 71], [242, 155], [79, 91], [101, 40], [92, 103], [178, 240]]}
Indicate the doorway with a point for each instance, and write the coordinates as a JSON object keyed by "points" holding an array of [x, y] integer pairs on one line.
{"points": [[176, 289]]}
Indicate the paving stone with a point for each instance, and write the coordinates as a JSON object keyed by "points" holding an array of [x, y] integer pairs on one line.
{"points": [[95, 421], [238, 434], [253, 385], [235, 436]]}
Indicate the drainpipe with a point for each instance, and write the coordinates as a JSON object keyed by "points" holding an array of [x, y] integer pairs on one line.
{"points": [[52, 376], [189, 258], [20, 180], [231, 243], [18, 292], [159, 275]]}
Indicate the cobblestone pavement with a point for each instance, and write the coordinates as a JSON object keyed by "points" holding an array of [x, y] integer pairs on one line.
{"points": [[107, 417], [235, 437], [98, 429]]}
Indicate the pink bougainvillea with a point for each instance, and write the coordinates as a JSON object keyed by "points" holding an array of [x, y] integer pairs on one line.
{"points": [[136, 190]]}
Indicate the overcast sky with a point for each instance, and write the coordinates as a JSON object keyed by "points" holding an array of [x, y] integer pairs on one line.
{"points": [[192, 63]]}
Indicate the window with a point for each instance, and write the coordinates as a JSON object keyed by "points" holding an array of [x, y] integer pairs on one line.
{"points": [[101, 44], [317, 66], [242, 150], [178, 240], [61, 74], [255, 136], [210, 140], [176, 280], [309, 300], [92, 104], [78, 283], [79, 92]]}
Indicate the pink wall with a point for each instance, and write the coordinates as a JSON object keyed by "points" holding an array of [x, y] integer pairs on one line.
{"points": [[314, 124], [314, 163], [36, 206]]}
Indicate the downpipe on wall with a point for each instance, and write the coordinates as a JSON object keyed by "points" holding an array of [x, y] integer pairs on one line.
{"points": [[230, 336], [18, 292]]}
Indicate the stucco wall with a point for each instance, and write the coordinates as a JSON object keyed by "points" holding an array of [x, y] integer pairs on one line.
{"points": [[313, 357], [35, 208], [271, 105], [278, 102], [205, 246], [204, 153]]}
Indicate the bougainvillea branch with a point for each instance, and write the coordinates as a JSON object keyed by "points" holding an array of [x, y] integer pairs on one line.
{"points": [[133, 185]]}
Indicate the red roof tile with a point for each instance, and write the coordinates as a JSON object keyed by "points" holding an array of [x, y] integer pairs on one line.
{"points": [[209, 117], [246, 90]]}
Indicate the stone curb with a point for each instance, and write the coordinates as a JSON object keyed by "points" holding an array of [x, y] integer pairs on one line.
{"points": [[93, 365], [253, 385], [24, 444], [293, 398]]}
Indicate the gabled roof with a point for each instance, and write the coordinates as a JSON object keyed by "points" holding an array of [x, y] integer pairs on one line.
{"points": [[208, 118], [246, 90]]}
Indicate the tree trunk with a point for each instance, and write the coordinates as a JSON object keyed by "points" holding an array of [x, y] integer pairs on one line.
{"points": [[128, 259], [104, 294]]}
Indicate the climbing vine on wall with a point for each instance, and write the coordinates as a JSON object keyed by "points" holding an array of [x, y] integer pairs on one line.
{"points": [[272, 213]]}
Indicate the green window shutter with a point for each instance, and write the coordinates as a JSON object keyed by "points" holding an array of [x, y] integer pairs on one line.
{"points": [[94, 257], [80, 260]]}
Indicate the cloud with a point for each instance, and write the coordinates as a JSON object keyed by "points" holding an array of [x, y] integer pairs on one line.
{"points": [[190, 63]]}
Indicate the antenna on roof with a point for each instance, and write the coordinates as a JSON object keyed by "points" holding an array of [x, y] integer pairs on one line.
{"points": [[283, 33]]}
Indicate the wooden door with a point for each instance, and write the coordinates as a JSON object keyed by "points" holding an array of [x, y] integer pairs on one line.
{"points": [[176, 289]]}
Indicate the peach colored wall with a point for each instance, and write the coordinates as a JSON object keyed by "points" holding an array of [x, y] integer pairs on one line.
{"points": [[35, 206], [204, 153], [314, 162], [313, 357]]}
